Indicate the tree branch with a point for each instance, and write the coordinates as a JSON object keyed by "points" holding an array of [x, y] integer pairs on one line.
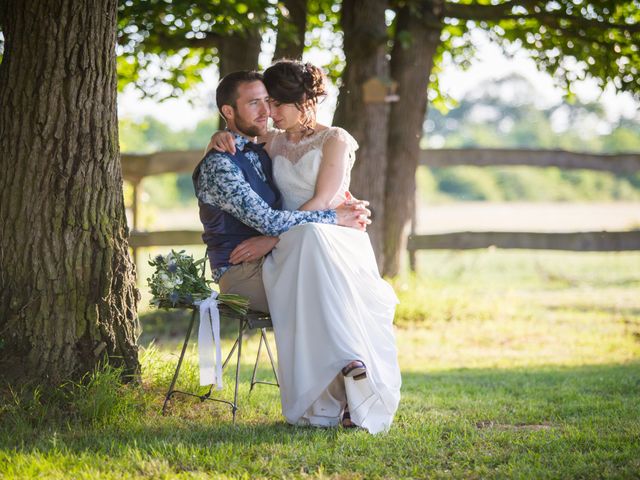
{"points": [[168, 42], [554, 19], [476, 11], [503, 12]]}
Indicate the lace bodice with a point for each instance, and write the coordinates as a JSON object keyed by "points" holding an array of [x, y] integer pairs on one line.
{"points": [[296, 165]]}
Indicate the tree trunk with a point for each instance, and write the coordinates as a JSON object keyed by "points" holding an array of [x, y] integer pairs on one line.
{"points": [[291, 30], [67, 283], [239, 51], [411, 63], [365, 38]]}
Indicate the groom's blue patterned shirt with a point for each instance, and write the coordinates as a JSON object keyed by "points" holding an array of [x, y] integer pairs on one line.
{"points": [[222, 184]]}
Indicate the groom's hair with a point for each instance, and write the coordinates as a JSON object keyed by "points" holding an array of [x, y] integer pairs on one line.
{"points": [[227, 91]]}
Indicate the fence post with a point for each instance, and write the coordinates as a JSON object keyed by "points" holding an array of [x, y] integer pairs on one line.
{"points": [[412, 252], [135, 214]]}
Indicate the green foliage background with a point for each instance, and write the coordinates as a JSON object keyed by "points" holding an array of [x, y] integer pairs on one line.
{"points": [[502, 114], [151, 135]]}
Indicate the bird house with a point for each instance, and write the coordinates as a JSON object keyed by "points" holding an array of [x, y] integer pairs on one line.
{"points": [[378, 90]]}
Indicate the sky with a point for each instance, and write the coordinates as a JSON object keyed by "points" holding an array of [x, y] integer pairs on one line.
{"points": [[489, 63]]}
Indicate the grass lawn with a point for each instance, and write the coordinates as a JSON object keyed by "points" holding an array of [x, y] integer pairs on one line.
{"points": [[515, 365]]}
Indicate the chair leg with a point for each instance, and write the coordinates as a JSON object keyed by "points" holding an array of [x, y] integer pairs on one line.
{"points": [[177, 372], [255, 366], [233, 349], [242, 327], [235, 391], [273, 364]]}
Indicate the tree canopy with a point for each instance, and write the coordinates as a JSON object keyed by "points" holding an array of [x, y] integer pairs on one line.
{"points": [[171, 42], [168, 42], [569, 39]]}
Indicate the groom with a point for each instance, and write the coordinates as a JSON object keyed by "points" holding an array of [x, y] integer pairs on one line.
{"points": [[240, 205]]}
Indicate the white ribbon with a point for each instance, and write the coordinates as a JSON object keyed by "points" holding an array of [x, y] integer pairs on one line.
{"points": [[208, 338]]}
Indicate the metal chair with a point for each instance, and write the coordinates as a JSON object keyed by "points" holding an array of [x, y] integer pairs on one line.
{"points": [[252, 320]]}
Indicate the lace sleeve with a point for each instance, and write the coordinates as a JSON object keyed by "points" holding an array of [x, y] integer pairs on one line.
{"points": [[343, 135]]}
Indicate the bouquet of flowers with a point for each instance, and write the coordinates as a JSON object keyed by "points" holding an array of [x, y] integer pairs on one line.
{"points": [[179, 281]]}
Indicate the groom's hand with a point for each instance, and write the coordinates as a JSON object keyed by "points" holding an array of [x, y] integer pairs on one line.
{"points": [[252, 249], [353, 213]]}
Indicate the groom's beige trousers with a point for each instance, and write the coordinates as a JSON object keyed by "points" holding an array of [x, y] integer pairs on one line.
{"points": [[246, 279]]}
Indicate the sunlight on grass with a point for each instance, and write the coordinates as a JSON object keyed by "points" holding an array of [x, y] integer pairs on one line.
{"points": [[515, 364], [500, 309]]}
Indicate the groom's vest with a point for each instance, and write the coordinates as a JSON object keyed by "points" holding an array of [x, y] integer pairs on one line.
{"points": [[222, 231]]}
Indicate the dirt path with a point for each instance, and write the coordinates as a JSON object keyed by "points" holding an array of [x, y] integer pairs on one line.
{"points": [[541, 217]]}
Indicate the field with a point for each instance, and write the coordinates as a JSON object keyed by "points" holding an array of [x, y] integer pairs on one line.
{"points": [[528, 216], [515, 365], [462, 216]]}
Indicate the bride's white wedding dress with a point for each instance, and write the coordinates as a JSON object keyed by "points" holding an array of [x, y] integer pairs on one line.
{"points": [[329, 305]]}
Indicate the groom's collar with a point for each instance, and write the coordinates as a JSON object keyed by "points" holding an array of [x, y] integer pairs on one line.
{"points": [[240, 140]]}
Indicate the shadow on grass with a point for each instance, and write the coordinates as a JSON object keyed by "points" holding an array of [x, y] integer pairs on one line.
{"points": [[595, 309], [556, 397], [539, 422], [621, 282]]}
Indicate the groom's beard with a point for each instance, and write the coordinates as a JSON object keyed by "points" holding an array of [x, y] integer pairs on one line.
{"points": [[248, 128]]}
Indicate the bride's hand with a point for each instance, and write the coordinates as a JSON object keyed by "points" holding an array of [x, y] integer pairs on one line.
{"points": [[222, 141], [354, 214], [252, 249], [350, 200]]}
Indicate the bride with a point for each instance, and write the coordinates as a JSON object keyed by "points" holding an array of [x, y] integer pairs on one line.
{"points": [[332, 313]]}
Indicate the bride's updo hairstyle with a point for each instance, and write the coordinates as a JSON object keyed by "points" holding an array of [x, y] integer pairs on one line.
{"points": [[303, 84]]}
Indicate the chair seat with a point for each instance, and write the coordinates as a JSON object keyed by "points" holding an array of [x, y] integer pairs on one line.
{"points": [[254, 319], [259, 323]]}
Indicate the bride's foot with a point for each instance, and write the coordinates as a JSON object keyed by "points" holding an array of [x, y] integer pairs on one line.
{"points": [[346, 419], [355, 369]]}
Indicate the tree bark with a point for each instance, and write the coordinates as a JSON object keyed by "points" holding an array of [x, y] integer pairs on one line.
{"points": [[67, 283], [239, 51], [365, 38], [291, 30], [411, 63]]}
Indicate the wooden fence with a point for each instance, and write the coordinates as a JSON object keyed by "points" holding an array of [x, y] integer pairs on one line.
{"points": [[136, 167], [621, 164]]}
